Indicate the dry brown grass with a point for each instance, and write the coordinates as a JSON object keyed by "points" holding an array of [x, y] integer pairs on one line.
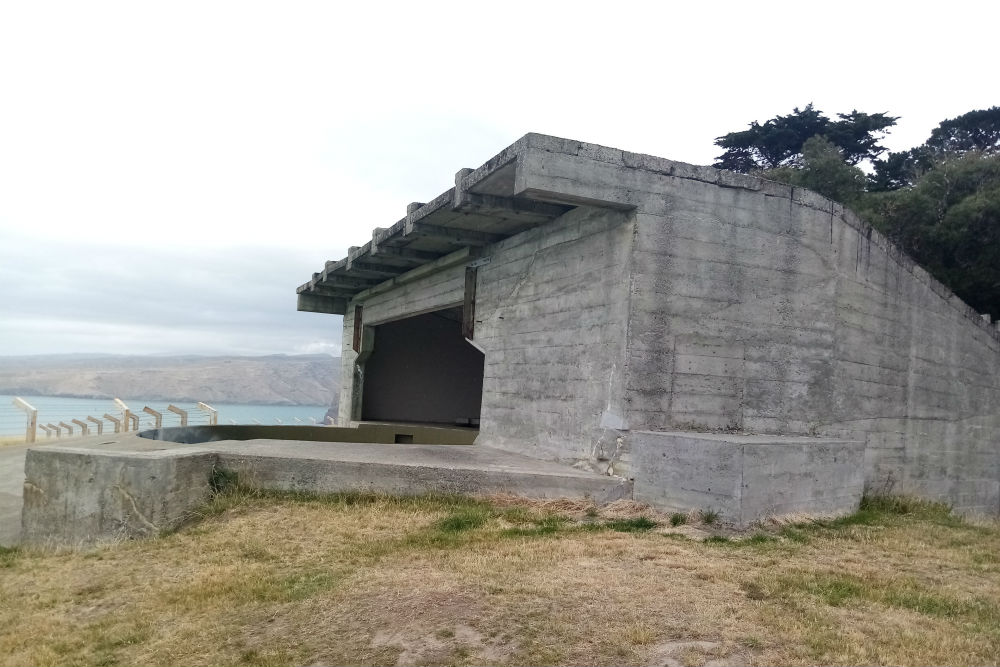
{"points": [[374, 580]]}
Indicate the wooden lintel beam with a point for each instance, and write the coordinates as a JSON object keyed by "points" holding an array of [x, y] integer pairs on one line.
{"points": [[465, 237]]}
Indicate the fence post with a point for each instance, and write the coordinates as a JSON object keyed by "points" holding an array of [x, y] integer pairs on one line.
{"points": [[31, 430], [69, 429], [133, 420], [98, 423], [126, 414], [213, 414], [114, 420], [48, 431], [84, 429], [56, 429], [183, 413], [158, 416]]}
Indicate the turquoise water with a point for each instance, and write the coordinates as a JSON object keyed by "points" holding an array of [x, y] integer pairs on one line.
{"points": [[53, 410]]}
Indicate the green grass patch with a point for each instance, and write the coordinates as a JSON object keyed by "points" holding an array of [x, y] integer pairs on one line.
{"points": [[8, 556], [637, 525], [837, 589], [678, 519], [463, 520], [547, 525]]}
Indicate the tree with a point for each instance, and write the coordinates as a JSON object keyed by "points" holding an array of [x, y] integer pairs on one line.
{"points": [[975, 131], [972, 131], [824, 171], [949, 221], [779, 141]]}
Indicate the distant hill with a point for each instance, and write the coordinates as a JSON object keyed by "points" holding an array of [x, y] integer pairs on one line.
{"points": [[271, 380]]}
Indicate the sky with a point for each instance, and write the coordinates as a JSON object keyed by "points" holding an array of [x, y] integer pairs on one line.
{"points": [[170, 172]]}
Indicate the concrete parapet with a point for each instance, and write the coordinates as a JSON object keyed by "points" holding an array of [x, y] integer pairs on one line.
{"points": [[78, 496], [119, 489], [748, 478]]}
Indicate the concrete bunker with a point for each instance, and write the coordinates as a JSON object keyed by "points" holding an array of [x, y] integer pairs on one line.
{"points": [[422, 370], [680, 335]]}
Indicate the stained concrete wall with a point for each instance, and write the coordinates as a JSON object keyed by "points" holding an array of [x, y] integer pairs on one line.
{"points": [[550, 312]]}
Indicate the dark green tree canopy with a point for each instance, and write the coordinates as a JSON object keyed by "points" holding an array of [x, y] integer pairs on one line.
{"points": [[779, 141], [973, 131]]}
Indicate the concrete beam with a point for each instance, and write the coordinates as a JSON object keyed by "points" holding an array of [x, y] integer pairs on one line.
{"points": [[463, 237], [314, 303]]}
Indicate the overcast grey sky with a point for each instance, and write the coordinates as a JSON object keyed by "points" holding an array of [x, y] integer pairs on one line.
{"points": [[170, 172]]}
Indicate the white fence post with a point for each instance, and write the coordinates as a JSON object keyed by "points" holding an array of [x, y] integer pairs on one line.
{"points": [[48, 431], [126, 414], [31, 430], [213, 414], [56, 429]]}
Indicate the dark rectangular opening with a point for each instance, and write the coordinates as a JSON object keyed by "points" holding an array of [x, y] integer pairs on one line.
{"points": [[423, 370]]}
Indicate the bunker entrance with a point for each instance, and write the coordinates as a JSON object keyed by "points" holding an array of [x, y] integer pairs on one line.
{"points": [[423, 370]]}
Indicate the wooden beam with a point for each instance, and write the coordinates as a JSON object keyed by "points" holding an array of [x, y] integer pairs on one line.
{"points": [[358, 324], [469, 304], [84, 429]]}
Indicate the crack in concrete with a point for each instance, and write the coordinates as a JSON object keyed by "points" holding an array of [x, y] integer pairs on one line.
{"points": [[135, 508]]}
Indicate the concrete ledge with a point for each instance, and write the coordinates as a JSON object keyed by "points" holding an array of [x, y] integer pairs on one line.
{"points": [[747, 478], [119, 488]]}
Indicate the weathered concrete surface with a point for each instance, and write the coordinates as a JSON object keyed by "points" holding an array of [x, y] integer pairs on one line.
{"points": [[11, 488], [124, 486], [748, 478], [670, 297], [79, 496]]}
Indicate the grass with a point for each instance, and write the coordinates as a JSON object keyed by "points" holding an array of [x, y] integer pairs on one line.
{"points": [[285, 578]]}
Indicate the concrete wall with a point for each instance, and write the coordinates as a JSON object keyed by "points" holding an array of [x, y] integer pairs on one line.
{"points": [[550, 312], [747, 478], [685, 298], [773, 311]]}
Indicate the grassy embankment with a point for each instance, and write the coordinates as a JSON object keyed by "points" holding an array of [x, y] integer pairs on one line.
{"points": [[280, 579]]}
